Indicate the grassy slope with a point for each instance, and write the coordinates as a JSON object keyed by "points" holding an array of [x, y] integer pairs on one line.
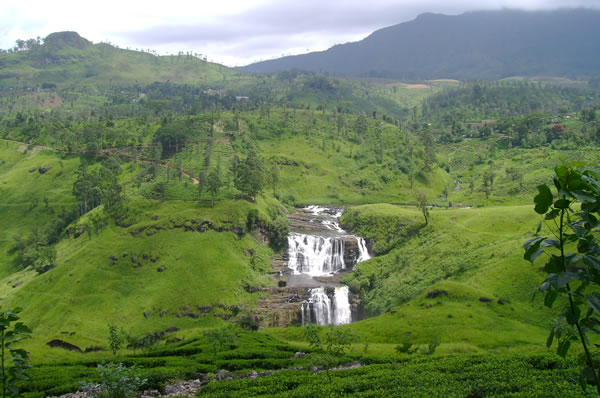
{"points": [[85, 292]]}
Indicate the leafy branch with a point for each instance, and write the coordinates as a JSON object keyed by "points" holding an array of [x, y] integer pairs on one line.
{"points": [[574, 215]]}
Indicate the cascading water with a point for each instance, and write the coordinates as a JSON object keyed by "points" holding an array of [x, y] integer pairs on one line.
{"points": [[324, 310], [342, 314], [315, 255], [325, 251]]}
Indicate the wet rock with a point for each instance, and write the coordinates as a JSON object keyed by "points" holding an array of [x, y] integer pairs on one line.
{"points": [[162, 268], [44, 170], [485, 299], [299, 355], [147, 315], [93, 349]]}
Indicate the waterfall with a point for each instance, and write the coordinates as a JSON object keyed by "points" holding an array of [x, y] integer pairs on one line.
{"points": [[321, 252], [315, 255], [323, 310], [341, 306], [363, 253]]}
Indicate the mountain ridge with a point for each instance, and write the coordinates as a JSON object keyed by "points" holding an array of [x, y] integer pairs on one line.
{"points": [[478, 44]]}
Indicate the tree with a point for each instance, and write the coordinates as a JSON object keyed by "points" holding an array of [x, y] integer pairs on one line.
{"points": [[115, 339], [326, 352], [421, 199], [572, 219], [278, 232], [250, 176], [202, 182], [213, 183], [274, 177], [9, 336]]}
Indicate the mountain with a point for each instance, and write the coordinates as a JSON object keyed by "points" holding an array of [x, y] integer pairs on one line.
{"points": [[66, 59], [485, 44]]}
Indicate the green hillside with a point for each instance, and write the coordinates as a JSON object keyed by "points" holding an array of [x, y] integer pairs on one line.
{"points": [[66, 60]]}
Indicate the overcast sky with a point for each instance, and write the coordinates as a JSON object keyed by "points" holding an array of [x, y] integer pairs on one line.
{"points": [[232, 32]]}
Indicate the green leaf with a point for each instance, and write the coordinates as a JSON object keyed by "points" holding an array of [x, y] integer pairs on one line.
{"points": [[572, 258], [560, 280], [562, 203], [532, 248], [593, 301], [543, 200], [550, 339], [583, 197], [554, 265], [552, 214], [550, 297], [592, 261], [551, 243], [563, 348]]}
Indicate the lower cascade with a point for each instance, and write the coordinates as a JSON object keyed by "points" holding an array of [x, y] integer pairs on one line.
{"points": [[324, 310], [321, 249]]}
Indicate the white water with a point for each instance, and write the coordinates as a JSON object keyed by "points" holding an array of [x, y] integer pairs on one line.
{"points": [[315, 255], [323, 310], [363, 252], [342, 313]]}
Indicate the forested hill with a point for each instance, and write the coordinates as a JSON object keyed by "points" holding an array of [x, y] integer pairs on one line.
{"points": [[486, 45], [66, 59]]}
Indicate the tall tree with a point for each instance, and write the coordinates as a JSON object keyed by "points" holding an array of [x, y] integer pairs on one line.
{"points": [[250, 176], [422, 205], [213, 185]]}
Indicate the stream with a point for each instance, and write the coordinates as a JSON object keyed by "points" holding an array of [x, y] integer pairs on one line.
{"points": [[319, 250]]}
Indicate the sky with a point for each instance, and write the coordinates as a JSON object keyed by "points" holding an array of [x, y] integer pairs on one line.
{"points": [[233, 32]]}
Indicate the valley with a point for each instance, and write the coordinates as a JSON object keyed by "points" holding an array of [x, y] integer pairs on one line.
{"points": [[294, 233]]}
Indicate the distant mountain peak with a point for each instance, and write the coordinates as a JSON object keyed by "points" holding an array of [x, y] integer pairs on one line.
{"points": [[66, 39]]}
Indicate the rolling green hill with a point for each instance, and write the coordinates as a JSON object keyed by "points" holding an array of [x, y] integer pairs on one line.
{"points": [[66, 60]]}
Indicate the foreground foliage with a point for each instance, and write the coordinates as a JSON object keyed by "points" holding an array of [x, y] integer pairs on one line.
{"points": [[11, 333], [573, 266], [290, 375]]}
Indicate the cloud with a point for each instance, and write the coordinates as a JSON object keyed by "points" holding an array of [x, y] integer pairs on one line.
{"points": [[235, 31]]}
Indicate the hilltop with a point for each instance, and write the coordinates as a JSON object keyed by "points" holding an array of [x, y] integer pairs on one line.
{"points": [[67, 60], [484, 45]]}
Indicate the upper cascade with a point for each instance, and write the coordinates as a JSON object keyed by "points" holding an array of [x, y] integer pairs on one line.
{"points": [[327, 248]]}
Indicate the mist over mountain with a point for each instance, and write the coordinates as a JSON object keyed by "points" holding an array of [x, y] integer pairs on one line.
{"points": [[484, 44]]}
